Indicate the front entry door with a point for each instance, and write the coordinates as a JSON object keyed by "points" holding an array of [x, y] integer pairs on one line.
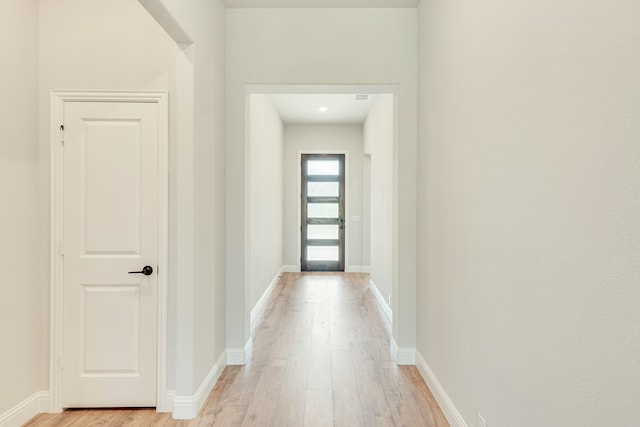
{"points": [[322, 246], [111, 200]]}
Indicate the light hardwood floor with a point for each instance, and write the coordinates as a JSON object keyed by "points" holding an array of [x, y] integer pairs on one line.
{"points": [[320, 358]]}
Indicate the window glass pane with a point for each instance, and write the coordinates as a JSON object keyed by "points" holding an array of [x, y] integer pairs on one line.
{"points": [[322, 253], [322, 210], [323, 189], [316, 231], [323, 167]]}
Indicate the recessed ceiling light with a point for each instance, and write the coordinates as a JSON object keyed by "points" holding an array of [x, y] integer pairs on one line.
{"points": [[323, 109]]}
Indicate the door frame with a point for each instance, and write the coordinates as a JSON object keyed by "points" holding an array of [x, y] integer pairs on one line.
{"points": [[58, 100], [347, 223]]}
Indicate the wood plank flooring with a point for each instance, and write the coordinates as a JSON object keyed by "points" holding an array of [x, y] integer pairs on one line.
{"points": [[320, 358]]}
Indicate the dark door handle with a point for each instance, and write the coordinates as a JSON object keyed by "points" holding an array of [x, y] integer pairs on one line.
{"points": [[147, 270]]}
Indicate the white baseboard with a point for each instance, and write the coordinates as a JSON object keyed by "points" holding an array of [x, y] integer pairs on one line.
{"points": [[366, 269], [188, 407], [255, 311], [25, 410], [402, 355], [446, 404], [384, 305], [240, 356], [291, 269]]}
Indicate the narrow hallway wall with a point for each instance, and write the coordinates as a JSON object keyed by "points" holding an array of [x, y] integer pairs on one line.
{"points": [[266, 154], [378, 135], [199, 188]]}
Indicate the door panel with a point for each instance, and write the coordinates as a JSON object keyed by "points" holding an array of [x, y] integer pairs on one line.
{"points": [[110, 311], [111, 196], [322, 200], [323, 210], [323, 189], [112, 200], [323, 253], [323, 231]]}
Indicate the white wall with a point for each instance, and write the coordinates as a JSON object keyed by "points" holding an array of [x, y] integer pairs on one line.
{"points": [[378, 137], [321, 46], [529, 245], [266, 153], [323, 138], [205, 22], [200, 187], [24, 286]]}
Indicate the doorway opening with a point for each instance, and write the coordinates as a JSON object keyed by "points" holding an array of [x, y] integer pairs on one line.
{"points": [[346, 222]]}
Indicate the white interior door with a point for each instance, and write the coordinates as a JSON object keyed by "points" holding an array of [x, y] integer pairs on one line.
{"points": [[110, 208]]}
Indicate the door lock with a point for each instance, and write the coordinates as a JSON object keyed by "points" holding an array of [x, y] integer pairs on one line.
{"points": [[147, 270]]}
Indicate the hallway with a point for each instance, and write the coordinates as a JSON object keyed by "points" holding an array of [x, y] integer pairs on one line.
{"points": [[320, 358]]}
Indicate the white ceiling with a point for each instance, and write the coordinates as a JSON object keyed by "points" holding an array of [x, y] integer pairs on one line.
{"points": [[303, 108], [320, 3]]}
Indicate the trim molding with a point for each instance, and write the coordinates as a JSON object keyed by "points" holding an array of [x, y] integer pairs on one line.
{"points": [[255, 311], [357, 269], [384, 305], [240, 356], [402, 355], [188, 407], [291, 268], [25, 410], [446, 404]]}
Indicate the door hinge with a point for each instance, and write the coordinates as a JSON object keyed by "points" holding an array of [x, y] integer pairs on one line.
{"points": [[62, 134]]}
